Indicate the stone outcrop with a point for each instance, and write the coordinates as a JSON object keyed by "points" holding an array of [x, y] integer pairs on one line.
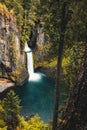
{"points": [[10, 51], [7, 29], [49, 71], [4, 84], [22, 78]]}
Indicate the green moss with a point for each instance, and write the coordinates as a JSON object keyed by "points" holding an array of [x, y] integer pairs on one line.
{"points": [[12, 49], [15, 75], [13, 78], [49, 63], [65, 63], [53, 62]]}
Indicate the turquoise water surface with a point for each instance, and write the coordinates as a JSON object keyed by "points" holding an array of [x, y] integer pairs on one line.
{"points": [[37, 97]]}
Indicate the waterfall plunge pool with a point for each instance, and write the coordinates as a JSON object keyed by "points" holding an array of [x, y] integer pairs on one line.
{"points": [[37, 96]]}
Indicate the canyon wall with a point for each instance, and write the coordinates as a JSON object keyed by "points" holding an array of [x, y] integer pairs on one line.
{"points": [[12, 61]]}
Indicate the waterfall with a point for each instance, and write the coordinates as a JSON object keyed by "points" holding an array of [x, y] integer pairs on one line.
{"points": [[29, 59], [30, 63], [27, 49], [33, 76]]}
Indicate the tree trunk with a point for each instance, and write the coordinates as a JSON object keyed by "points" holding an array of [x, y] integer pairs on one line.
{"points": [[75, 115], [58, 77]]}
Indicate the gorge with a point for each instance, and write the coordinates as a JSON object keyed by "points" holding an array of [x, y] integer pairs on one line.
{"points": [[44, 86], [37, 94], [37, 91]]}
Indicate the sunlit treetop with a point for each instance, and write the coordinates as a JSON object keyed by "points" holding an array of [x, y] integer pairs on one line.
{"points": [[4, 11]]}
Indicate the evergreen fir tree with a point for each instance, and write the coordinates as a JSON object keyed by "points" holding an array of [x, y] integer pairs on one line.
{"points": [[11, 105]]}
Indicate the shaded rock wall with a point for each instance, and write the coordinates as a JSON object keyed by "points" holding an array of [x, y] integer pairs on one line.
{"points": [[8, 26], [49, 71], [10, 50]]}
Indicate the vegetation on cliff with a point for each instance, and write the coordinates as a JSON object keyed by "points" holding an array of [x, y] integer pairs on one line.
{"points": [[65, 27], [25, 13], [11, 58], [4, 10]]}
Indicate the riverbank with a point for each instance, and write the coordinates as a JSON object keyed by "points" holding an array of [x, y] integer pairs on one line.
{"points": [[5, 83]]}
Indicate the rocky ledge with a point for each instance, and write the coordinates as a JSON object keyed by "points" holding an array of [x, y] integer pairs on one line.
{"points": [[5, 83], [23, 77], [49, 71]]}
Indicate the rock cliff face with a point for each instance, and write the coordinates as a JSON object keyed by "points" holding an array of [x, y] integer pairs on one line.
{"points": [[11, 59]]}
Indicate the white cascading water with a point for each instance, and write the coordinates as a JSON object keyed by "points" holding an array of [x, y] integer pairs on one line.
{"points": [[33, 76], [29, 59], [30, 63]]}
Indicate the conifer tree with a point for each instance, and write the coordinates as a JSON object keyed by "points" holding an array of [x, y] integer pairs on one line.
{"points": [[11, 106]]}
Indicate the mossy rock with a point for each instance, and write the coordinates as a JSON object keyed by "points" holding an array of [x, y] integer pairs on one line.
{"points": [[19, 76]]}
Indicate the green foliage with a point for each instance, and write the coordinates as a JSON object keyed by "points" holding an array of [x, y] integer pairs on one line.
{"points": [[1, 110], [26, 16], [2, 122], [10, 116], [15, 75], [4, 10], [34, 123], [75, 34], [71, 62], [28, 13], [77, 26], [12, 49], [4, 128], [11, 106], [29, 19], [51, 62]]}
